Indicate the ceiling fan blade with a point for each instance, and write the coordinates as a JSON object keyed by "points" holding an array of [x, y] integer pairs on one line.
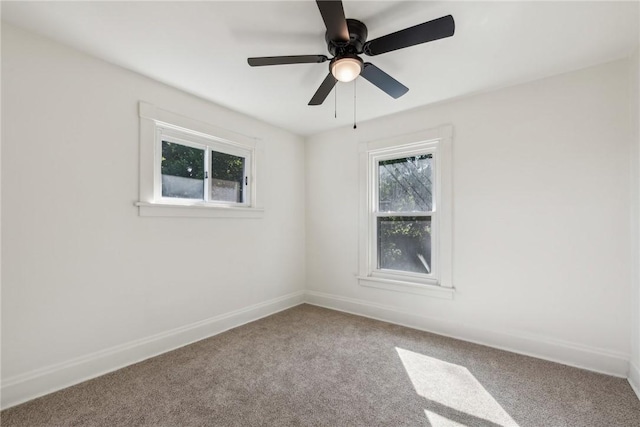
{"points": [[324, 90], [282, 60], [421, 33], [384, 81], [333, 15]]}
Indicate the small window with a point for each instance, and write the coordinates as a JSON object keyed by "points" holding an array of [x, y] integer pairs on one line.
{"points": [[405, 222], [191, 168], [197, 169]]}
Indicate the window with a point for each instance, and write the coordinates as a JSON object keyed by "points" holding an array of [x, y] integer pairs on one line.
{"points": [[405, 224], [191, 168]]}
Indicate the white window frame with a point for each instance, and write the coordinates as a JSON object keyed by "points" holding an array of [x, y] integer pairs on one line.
{"points": [[208, 144], [396, 153], [157, 125], [438, 282]]}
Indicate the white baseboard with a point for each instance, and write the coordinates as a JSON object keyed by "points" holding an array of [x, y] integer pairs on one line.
{"points": [[24, 387], [634, 378], [567, 353]]}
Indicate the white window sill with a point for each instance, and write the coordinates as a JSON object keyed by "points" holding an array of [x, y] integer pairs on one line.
{"points": [[407, 287], [196, 211]]}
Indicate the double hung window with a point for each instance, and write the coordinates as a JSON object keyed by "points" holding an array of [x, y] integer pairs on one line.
{"points": [[404, 214], [405, 222]]}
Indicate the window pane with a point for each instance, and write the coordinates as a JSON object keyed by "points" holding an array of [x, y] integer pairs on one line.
{"points": [[182, 171], [404, 244], [227, 177], [406, 184]]}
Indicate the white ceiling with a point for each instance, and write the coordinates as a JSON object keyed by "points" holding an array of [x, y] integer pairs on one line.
{"points": [[201, 48]]}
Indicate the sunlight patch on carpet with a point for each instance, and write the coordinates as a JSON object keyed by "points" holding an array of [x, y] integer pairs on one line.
{"points": [[453, 395]]}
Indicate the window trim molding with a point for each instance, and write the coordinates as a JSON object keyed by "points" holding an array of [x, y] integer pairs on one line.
{"points": [[436, 291], [441, 139], [152, 119]]}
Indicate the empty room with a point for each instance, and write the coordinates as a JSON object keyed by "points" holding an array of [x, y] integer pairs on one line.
{"points": [[320, 213]]}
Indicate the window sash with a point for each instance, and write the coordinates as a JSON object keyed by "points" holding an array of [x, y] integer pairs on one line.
{"points": [[376, 271], [201, 181], [243, 179]]}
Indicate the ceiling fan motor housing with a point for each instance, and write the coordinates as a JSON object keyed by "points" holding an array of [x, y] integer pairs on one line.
{"points": [[357, 38]]}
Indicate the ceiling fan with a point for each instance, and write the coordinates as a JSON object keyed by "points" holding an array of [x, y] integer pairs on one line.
{"points": [[347, 39]]}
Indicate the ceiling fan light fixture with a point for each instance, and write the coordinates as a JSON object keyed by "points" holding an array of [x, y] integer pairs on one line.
{"points": [[346, 69]]}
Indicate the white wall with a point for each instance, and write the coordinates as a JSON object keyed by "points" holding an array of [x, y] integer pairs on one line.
{"points": [[82, 272], [634, 93], [541, 256]]}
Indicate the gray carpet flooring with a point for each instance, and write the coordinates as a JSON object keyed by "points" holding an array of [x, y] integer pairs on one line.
{"points": [[309, 366]]}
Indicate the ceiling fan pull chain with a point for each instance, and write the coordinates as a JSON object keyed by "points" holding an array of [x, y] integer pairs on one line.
{"points": [[354, 103], [335, 102]]}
